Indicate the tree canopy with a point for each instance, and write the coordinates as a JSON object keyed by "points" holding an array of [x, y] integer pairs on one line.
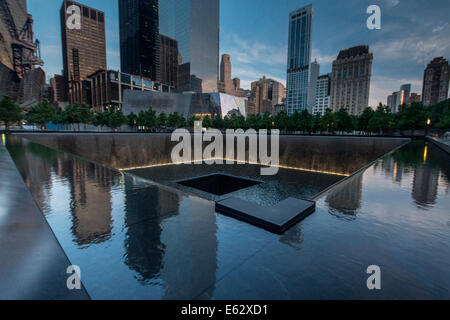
{"points": [[42, 113], [381, 121], [10, 111]]}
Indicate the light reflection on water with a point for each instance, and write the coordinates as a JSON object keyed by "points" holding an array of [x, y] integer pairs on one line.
{"points": [[133, 239]]}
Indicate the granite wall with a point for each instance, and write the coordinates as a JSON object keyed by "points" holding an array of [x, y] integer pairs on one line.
{"points": [[343, 155]]}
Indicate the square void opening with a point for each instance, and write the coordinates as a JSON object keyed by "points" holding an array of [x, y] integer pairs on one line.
{"points": [[219, 184]]}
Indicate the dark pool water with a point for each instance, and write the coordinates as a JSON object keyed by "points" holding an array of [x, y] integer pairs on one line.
{"points": [[135, 239]]}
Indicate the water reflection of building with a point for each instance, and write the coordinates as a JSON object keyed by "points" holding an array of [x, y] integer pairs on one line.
{"points": [[90, 189], [146, 207], [36, 173], [392, 169], [425, 186], [397, 175], [171, 238], [346, 197], [193, 269]]}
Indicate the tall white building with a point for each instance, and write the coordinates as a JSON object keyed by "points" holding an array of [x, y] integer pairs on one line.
{"points": [[322, 95], [312, 85], [299, 58]]}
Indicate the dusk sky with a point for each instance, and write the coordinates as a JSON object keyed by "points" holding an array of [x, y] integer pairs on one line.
{"points": [[255, 34]]}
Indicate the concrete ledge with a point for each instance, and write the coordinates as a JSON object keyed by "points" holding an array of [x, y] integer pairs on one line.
{"points": [[445, 146], [32, 263], [276, 219]]}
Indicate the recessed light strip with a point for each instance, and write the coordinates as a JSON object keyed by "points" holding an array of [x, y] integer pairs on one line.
{"points": [[236, 161]]}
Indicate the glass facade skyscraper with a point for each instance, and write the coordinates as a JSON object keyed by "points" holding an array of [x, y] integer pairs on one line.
{"points": [[195, 25], [299, 58], [139, 38]]}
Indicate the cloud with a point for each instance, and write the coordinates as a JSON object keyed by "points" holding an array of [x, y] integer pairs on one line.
{"points": [[250, 74], [392, 3], [248, 51], [419, 49], [439, 28], [322, 58], [252, 59]]}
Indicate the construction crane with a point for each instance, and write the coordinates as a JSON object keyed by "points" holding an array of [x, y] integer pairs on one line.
{"points": [[25, 52]]}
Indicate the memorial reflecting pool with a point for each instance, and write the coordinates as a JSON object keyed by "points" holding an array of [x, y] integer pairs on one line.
{"points": [[138, 238]]}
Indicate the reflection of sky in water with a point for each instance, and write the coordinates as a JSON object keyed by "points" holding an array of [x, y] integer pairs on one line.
{"points": [[135, 239]]}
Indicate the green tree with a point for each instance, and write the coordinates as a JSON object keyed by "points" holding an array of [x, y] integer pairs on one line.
{"points": [[413, 117], [382, 120], [444, 119], [242, 122], [42, 113], [327, 121], [282, 121], [78, 113], [10, 112], [364, 120], [254, 121], [293, 121], [59, 116], [161, 121], [116, 119], [344, 122], [316, 123], [218, 122], [438, 111], [266, 121], [234, 122], [86, 114], [176, 120], [305, 121], [191, 122], [147, 118], [100, 119], [207, 122], [131, 119]]}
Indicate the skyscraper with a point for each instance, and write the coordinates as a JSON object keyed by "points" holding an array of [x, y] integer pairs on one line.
{"points": [[312, 86], [169, 61], [84, 49], [139, 38], [436, 82], [225, 84], [195, 25], [350, 80], [322, 94], [395, 100], [299, 58], [407, 89]]}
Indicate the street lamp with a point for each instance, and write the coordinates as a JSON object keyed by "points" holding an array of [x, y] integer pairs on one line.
{"points": [[428, 125]]}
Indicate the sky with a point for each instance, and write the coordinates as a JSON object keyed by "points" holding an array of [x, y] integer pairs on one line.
{"points": [[255, 34]]}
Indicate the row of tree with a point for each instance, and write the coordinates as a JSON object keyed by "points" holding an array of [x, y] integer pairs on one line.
{"points": [[411, 117]]}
